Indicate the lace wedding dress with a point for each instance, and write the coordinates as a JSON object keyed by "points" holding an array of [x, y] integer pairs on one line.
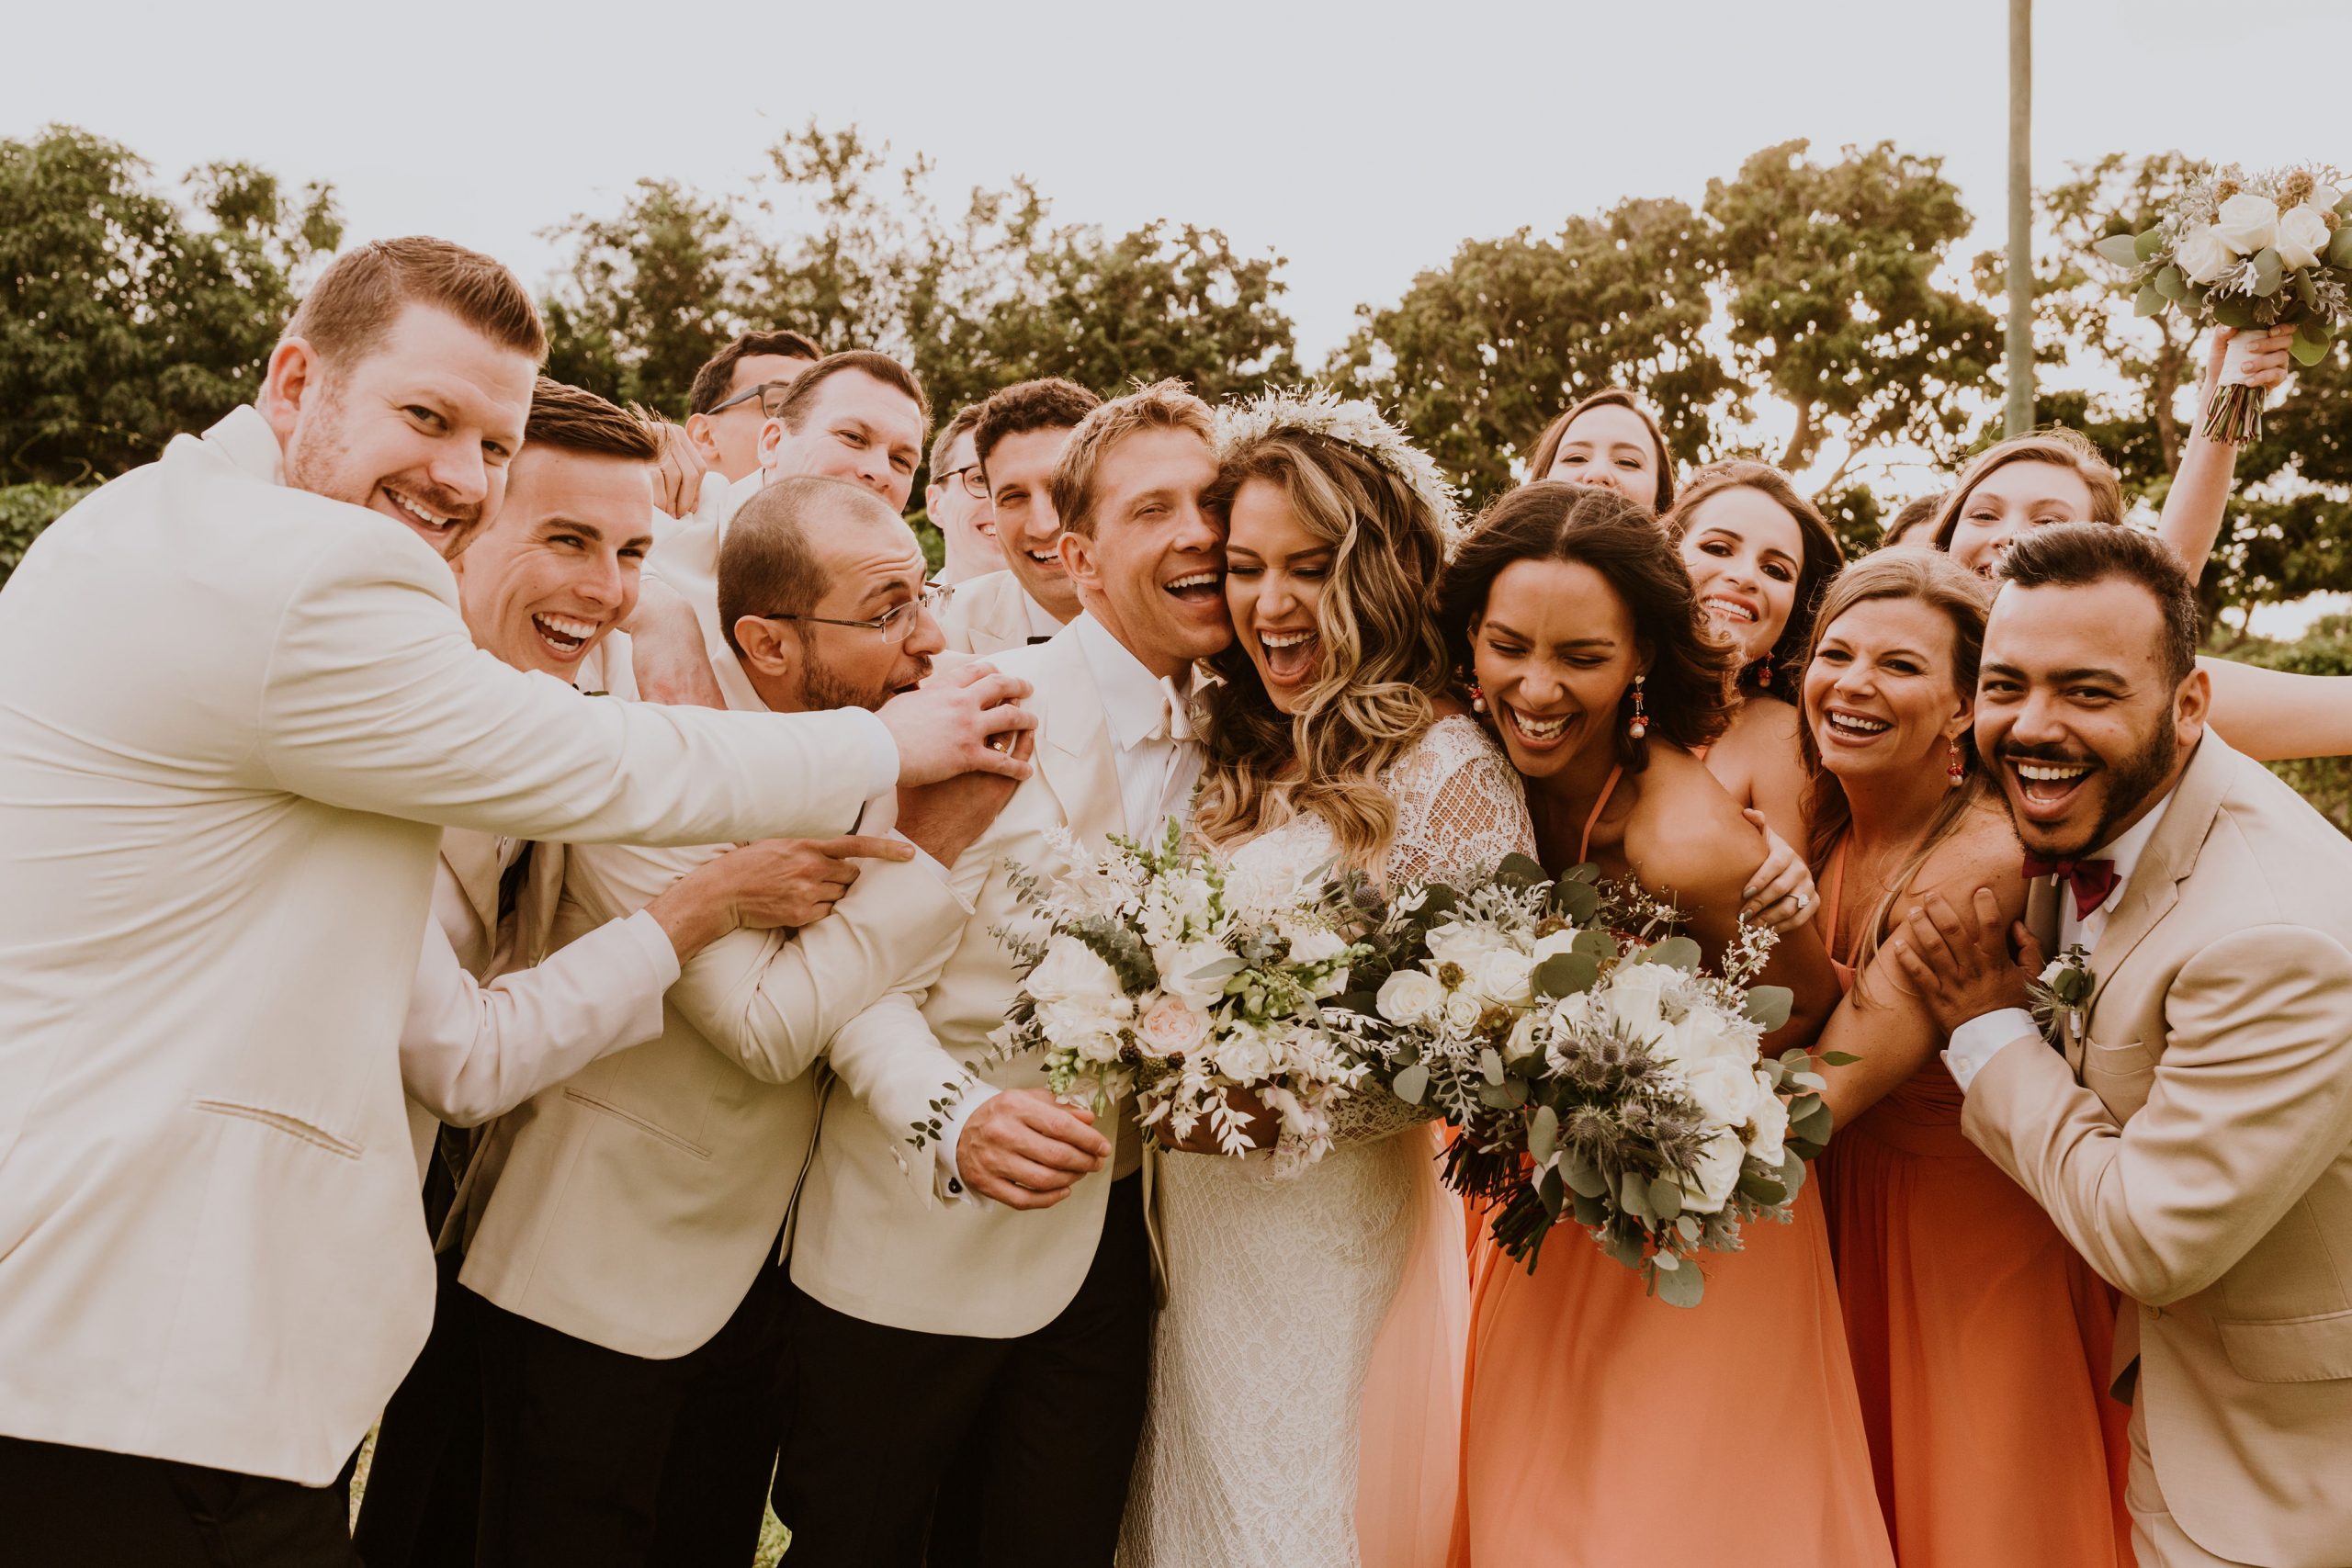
{"points": [[1278, 1288]]}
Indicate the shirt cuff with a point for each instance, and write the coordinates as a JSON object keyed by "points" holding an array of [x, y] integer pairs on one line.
{"points": [[882, 754], [1981, 1039], [946, 1181], [661, 953]]}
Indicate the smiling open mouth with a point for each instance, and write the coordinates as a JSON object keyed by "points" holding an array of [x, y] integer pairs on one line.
{"points": [[2047, 787], [565, 636], [1539, 733], [1198, 588], [1855, 727], [1290, 656], [1729, 609], [432, 522]]}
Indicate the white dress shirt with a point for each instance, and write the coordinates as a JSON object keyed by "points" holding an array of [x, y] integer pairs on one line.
{"points": [[1157, 773], [1040, 620], [1975, 1043]]}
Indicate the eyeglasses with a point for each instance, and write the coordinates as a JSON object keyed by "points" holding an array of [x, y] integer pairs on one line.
{"points": [[895, 624], [770, 394], [975, 483]]}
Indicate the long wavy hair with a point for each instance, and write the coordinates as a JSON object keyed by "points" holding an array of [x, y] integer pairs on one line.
{"points": [[1935, 580], [1687, 689], [1383, 668], [1823, 559], [2066, 448], [1547, 450]]}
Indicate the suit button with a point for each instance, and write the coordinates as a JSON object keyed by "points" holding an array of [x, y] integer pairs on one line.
{"points": [[954, 1186]]}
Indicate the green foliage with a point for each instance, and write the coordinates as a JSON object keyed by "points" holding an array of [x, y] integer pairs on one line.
{"points": [[132, 313], [25, 511]]}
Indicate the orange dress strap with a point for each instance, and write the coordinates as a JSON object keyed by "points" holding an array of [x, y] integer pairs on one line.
{"points": [[1833, 897], [1584, 839]]}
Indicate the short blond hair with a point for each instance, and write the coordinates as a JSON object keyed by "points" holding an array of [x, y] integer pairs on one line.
{"points": [[1163, 405], [346, 313]]}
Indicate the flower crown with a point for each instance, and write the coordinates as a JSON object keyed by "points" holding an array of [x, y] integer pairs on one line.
{"points": [[1317, 411]]}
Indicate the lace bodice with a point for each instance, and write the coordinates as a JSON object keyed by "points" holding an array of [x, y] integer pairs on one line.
{"points": [[1460, 810]]}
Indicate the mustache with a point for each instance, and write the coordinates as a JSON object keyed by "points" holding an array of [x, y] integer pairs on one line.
{"points": [[432, 498], [2008, 752]]}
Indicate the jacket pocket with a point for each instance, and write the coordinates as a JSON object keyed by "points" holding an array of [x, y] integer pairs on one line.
{"points": [[606, 1108], [2294, 1349], [292, 1126]]}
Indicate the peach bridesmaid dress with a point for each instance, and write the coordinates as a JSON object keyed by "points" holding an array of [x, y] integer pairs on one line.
{"points": [[1980, 1342], [1602, 1427]]}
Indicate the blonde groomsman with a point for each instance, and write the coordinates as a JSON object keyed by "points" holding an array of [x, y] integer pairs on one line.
{"points": [[2190, 1128], [241, 704]]}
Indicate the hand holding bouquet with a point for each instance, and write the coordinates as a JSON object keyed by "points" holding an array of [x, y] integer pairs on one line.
{"points": [[2269, 250], [1154, 971], [1595, 1069]]}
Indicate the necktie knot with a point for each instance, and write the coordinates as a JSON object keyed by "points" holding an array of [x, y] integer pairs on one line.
{"points": [[2092, 880], [1176, 719]]}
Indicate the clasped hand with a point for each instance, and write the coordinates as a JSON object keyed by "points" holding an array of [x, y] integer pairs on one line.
{"points": [[1963, 966]]}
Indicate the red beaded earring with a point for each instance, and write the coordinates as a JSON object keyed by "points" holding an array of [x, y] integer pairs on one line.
{"points": [[1478, 698], [1641, 724], [1958, 772], [1764, 671]]}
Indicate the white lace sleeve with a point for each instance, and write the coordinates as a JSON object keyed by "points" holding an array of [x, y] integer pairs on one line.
{"points": [[1460, 810]]}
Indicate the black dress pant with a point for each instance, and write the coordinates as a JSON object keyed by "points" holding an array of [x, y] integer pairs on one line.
{"points": [[424, 1496], [65, 1507], [592, 1459], [907, 1448]]}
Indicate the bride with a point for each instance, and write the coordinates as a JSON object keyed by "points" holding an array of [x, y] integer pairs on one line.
{"points": [[1308, 1312]]}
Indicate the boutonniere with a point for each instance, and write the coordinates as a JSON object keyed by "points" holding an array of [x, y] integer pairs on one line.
{"points": [[2058, 995]]}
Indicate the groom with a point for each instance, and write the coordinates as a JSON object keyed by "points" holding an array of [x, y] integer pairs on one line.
{"points": [[970, 1312], [2192, 1133]]}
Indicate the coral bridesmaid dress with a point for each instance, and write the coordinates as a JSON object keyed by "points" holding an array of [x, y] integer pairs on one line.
{"points": [[1980, 1342], [1603, 1427]]}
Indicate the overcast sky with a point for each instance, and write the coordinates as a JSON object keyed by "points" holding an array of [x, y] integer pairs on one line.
{"points": [[1362, 142]]}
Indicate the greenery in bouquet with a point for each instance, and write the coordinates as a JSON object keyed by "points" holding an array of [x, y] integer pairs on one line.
{"points": [[2250, 252], [1595, 1070], [1155, 971]]}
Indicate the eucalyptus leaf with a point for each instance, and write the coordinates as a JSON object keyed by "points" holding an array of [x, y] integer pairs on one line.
{"points": [[2269, 272], [1687, 1226], [1218, 968], [1548, 1190], [1768, 1005], [2339, 249], [1411, 1083], [1813, 1124], [1792, 1172], [2232, 312], [1633, 1197], [2172, 284], [2307, 352], [2148, 302], [1626, 1249], [2123, 250], [2150, 240], [1589, 1209], [1665, 1196], [1576, 901], [1675, 953], [1838, 1058], [1490, 1064], [1598, 943], [1565, 975], [1543, 1132], [1680, 1287], [1583, 1176], [1763, 1189]]}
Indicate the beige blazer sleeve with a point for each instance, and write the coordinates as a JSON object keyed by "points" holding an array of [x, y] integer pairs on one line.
{"points": [[375, 700], [2249, 1105]]}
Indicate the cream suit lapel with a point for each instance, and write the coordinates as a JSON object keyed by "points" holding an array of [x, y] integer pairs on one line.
{"points": [[474, 860], [1074, 744], [2170, 856]]}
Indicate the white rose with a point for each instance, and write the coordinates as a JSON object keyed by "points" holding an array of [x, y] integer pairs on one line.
{"points": [[1503, 976], [2302, 235], [1245, 1055], [2203, 256], [1716, 1173], [1724, 1088], [1463, 1010], [1410, 996], [1704, 1034], [1768, 1125], [1070, 972], [1310, 943], [1551, 946], [1521, 1044], [2323, 198], [1454, 943], [1180, 971], [2052, 970], [2247, 223], [1636, 994], [1171, 1025]]}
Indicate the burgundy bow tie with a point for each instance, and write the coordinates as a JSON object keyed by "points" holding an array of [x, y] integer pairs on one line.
{"points": [[2092, 880]]}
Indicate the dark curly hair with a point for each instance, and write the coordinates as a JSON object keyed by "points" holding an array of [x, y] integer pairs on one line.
{"points": [[1688, 694], [1823, 557]]}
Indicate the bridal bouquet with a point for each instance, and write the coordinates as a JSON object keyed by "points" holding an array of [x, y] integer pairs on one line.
{"points": [[1156, 971], [1595, 1069], [2253, 252]]}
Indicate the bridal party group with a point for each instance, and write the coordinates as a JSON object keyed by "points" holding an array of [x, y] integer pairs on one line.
{"points": [[509, 909]]}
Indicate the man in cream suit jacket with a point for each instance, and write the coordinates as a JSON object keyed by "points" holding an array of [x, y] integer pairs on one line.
{"points": [[2192, 1133], [630, 1224], [241, 704], [972, 1301], [1017, 440]]}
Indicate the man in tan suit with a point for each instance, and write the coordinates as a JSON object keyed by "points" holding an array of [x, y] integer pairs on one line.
{"points": [[628, 1225], [242, 705], [2191, 1132], [972, 1283], [1017, 440]]}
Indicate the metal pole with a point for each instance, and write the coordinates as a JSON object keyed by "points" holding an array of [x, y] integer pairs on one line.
{"points": [[2020, 343]]}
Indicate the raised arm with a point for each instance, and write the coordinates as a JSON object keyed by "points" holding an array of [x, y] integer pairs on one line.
{"points": [[2200, 497], [2271, 714]]}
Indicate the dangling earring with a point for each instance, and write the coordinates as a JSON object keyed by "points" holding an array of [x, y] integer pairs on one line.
{"points": [[1478, 698], [1641, 724], [1958, 772], [1764, 670]]}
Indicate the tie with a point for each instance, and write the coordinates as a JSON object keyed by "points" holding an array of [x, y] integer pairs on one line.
{"points": [[2092, 880], [1177, 723]]}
